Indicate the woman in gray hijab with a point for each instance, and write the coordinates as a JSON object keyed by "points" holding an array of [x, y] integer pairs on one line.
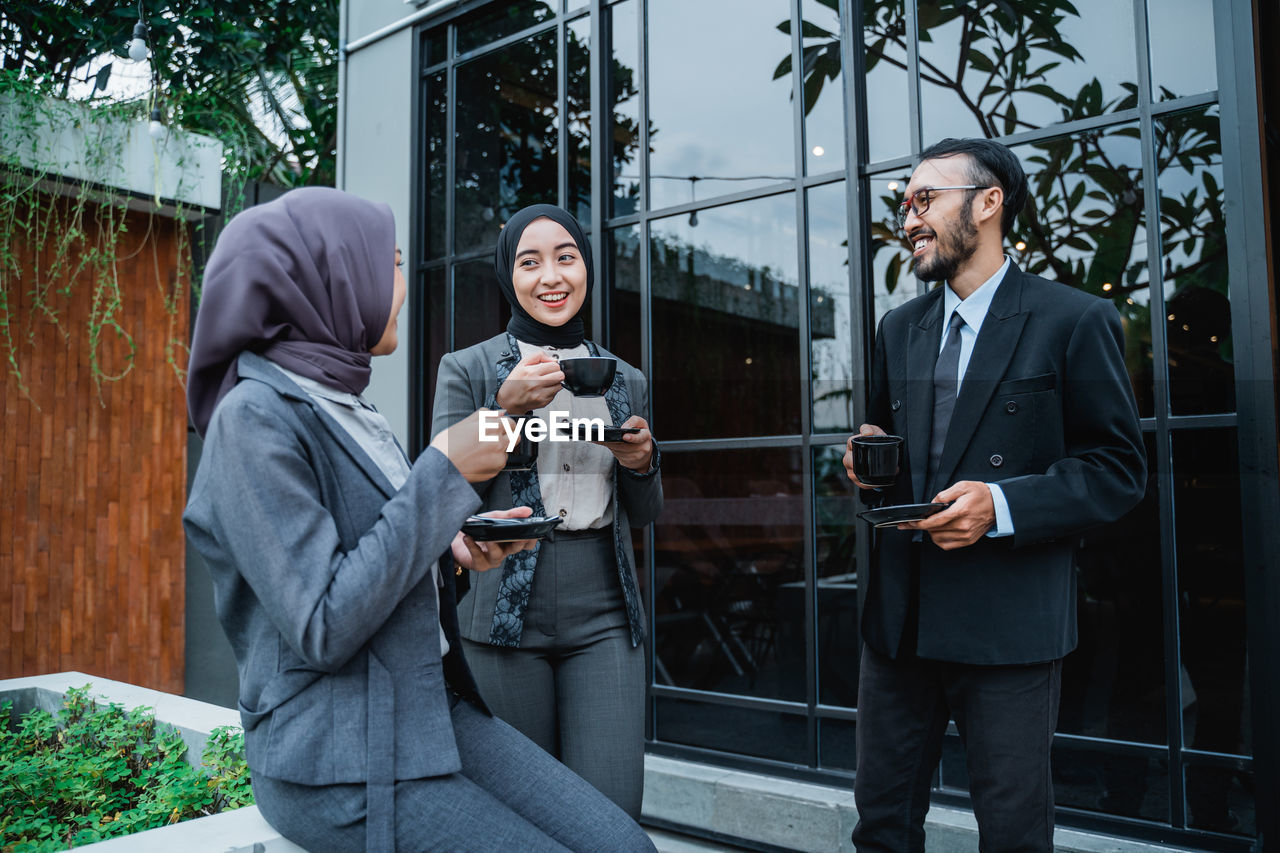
{"points": [[554, 638], [333, 559]]}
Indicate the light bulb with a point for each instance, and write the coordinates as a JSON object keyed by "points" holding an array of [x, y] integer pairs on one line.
{"points": [[818, 151], [138, 45], [157, 128]]}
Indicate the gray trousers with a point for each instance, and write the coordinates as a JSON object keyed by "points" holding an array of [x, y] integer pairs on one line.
{"points": [[576, 685], [509, 795]]}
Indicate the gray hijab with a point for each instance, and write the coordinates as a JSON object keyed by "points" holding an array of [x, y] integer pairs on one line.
{"points": [[306, 281]]}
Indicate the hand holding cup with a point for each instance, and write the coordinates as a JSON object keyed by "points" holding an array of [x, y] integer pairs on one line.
{"points": [[872, 458], [532, 384]]}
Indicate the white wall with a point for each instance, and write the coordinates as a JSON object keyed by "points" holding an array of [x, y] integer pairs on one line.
{"points": [[374, 152]]}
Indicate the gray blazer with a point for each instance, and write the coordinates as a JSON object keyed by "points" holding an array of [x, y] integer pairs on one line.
{"points": [[469, 379], [321, 581]]}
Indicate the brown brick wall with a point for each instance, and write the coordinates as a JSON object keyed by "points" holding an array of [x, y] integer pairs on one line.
{"points": [[93, 480]]}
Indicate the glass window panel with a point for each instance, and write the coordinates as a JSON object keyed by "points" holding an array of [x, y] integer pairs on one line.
{"points": [[1221, 799], [830, 320], [835, 509], [1085, 226], [479, 310], [435, 46], [1193, 239], [624, 292], [993, 68], [435, 292], [1109, 781], [1113, 684], [572, 5], [724, 125], [578, 115], [1183, 59], [837, 744], [624, 96], [500, 20], [893, 280], [507, 136], [727, 549], [741, 731], [436, 98], [823, 87], [1211, 623], [726, 278], [884, 39]]}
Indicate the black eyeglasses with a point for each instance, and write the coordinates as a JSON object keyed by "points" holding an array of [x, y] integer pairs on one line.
{"points": [[920, 200]]}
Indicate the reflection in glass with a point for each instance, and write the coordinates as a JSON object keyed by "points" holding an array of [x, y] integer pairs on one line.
{"points": [[1024, 65], [435, 291], [1128, 786], [506, 148], [479, 311], [1085, 226], [893, 280], [623, 266], [435, 46], [1212, 614], [823, 87], [578, 115], [884, 29], [436, 102], [500, 20], [829, 315], [837, 744], [721, 118], [1193, 239], [1183, 60], [741, 731], [728, 550], [727, 281], [624, 95], [1239, 816], [835, 517]]}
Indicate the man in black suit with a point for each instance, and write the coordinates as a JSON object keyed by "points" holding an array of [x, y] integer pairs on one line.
{"points": [[1012, 396]]}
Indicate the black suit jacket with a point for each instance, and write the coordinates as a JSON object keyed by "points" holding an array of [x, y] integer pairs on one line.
{"points": [[1047, 412]]}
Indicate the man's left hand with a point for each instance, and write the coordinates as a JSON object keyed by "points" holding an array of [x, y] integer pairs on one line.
{"points": [[965, 522]]}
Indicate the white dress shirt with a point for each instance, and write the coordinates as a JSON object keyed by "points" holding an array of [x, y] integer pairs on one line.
{"points": [[575, 477], [974, 311], [372, 432]]}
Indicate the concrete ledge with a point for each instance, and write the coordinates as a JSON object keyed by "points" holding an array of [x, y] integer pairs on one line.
{"points": [[240, 831], [802, 816]]}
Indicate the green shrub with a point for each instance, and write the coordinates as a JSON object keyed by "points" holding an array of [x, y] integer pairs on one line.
{"points": [[95, 772]]}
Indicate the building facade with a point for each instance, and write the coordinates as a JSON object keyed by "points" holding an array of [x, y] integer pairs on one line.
{"points": [[737, 164]]}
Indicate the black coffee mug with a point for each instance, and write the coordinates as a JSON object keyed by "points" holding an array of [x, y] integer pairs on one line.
{"points": [[876, 459], [589, 376], [524, 456]]}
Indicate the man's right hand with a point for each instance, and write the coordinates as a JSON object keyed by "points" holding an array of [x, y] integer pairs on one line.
{"points": [[532, 384], [477, 461], [865, 429]]}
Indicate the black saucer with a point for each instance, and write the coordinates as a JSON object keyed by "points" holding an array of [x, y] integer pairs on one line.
{"points": [[888, 516], [484, 529]]}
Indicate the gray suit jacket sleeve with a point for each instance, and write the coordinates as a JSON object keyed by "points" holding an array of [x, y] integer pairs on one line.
{"points": [[325, 597]]}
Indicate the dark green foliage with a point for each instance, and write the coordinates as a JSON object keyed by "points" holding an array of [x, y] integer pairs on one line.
{"points": [[217, 61], [96, 772]]}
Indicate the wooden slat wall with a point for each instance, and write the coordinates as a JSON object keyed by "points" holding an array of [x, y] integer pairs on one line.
{"points": [[93, 481]]}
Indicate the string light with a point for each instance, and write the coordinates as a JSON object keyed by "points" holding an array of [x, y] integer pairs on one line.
{"points": [[138, 45], [156, 128]]}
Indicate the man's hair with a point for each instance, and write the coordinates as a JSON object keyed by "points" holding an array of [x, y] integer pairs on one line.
{"points": [[990, 164]]}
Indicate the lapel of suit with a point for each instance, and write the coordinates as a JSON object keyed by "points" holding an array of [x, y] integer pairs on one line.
{"points": [[987, 365], [923, 342], [258, 367]]}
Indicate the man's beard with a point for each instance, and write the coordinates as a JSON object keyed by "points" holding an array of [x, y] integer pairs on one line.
{"points": [[951, 249]]}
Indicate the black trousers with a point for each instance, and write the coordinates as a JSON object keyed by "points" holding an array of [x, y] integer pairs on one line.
{"points": [[1005, 715]]}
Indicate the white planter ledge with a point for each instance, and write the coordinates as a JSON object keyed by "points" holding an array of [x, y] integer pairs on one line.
{"points": [[240, 831]]}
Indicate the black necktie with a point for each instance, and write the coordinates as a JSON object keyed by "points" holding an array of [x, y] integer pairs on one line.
{"points": [[945, 384]]}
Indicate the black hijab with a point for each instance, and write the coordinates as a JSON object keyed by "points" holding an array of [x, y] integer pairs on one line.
{"points": [[306, 281], [522, 324]]}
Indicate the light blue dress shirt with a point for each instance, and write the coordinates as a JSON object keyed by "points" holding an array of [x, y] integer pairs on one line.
{"points": [[974, 311]]}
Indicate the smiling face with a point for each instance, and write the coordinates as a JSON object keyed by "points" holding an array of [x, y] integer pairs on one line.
{"points": [[945, 236], [390, 340], [550, 276]]}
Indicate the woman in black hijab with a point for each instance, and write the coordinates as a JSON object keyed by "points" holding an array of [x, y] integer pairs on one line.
{"points": [[554, 637], [363, 726]]}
